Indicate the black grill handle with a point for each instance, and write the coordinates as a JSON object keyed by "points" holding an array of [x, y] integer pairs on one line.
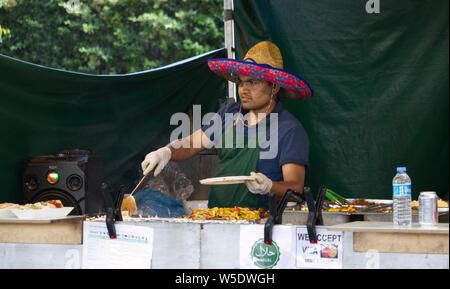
{"points": [[276, 210], [268, 226], [319, 204], [113, 213], [311, 221]]}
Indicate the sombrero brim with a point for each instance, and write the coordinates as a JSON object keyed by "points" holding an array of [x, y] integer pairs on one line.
{"points": [[293, 86]]}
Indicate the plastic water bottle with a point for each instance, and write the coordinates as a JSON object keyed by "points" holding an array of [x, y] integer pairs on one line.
{"points": [[402, 198]]}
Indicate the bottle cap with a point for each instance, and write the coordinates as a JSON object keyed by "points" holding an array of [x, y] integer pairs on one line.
{"points": [[401, 169]]}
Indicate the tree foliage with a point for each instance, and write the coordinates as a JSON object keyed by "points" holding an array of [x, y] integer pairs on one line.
{"points": [[110, 36]]}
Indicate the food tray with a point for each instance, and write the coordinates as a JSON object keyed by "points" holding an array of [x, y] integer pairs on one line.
{"points": [[6, 213], [387, 217], [15, 220], [298, 217], [46, 213], [375, 201]]}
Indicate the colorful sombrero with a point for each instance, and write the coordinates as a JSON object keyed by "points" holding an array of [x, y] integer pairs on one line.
{"points": [[263, 61]]}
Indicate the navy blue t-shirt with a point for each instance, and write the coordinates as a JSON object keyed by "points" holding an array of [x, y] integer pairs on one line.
{"points": [[292, 146]]}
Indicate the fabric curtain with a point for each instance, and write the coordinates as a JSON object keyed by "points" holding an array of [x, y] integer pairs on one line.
{"points": [[118, 117]]}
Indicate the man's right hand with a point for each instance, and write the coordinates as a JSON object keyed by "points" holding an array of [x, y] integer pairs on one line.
{"points": [[158, 159], [179, 150]]}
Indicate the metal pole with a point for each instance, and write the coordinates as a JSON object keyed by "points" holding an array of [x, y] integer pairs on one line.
{"points": [[229, 43]]}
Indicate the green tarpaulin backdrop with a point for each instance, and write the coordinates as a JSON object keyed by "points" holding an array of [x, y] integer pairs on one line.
{"points": [[118, 117], [380, 82]]}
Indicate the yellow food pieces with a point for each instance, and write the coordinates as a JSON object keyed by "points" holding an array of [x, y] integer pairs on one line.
{"points": [[344, 209], [230, 214], [442, 203]]}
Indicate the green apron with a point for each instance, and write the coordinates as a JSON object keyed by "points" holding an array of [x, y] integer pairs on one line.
{"points": [[235, 162]]}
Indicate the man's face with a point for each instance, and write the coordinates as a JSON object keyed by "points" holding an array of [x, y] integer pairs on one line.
{"points": [[254, 93]]}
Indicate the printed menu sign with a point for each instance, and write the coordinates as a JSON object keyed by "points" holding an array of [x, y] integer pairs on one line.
{"points": [[131, 249], [327, 253]]}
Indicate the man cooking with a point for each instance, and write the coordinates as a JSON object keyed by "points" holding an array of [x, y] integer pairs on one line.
{"points": [[261, 81]]}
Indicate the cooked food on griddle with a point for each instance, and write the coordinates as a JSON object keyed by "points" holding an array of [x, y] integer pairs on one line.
{"points": [[362, 202], [229, 214], [342, 209], [442, 203]]}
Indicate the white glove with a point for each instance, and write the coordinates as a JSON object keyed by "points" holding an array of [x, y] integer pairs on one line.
{"points": [[158, 159], [262, 185]]}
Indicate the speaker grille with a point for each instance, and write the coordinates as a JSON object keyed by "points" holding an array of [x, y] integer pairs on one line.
{"points": [[74, 177]]}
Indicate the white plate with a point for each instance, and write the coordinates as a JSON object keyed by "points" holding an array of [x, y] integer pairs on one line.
{"points": [[6, 213], [227, 180], [42, 213]]}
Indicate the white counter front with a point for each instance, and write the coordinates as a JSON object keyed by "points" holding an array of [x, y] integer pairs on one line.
{"points": [[217, 246]]}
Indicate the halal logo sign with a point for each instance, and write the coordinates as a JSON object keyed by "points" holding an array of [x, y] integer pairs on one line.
{"points": [[265, 256]]}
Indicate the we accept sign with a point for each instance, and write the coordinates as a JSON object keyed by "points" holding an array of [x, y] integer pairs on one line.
{"points": [[327, 253], [290, 248]]}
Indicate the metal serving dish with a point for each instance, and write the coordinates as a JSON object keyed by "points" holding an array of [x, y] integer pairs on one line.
{"points": [[387, 217], [383, 216], [329, 218], [294, 216], [362, 213]]}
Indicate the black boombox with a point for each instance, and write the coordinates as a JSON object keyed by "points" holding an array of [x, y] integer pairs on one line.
{"points": [[72, 176]]}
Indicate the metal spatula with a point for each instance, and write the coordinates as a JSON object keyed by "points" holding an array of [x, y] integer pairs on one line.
{"points": [[129, 203]]}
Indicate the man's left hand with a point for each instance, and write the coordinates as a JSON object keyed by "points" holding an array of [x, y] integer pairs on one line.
{"points": [[261, 185]]}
